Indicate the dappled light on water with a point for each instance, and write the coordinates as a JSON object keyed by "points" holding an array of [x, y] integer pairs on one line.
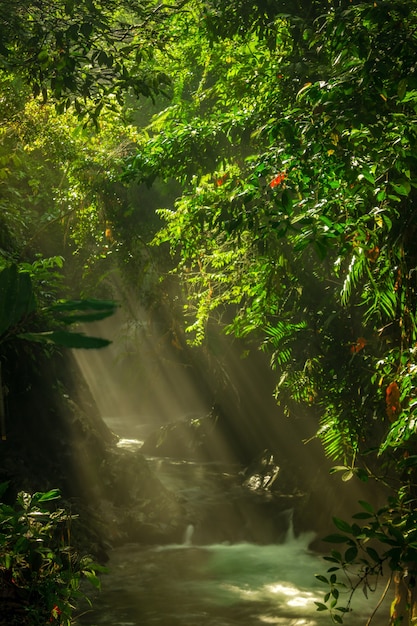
{"points": [[217, 585]]}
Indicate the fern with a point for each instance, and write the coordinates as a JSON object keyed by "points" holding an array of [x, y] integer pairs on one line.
{"points": [[356, 271], [335, 435], [280, 357], [282, 336], [297, 386], [283, 330], [380, 298]]}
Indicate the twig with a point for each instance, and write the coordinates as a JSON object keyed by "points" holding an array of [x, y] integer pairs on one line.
{"points": [[381, 599]]}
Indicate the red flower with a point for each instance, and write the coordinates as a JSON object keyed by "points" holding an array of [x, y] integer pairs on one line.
{"points": [[55, 613], [222, 179], [359, 345], [392, 398], [279, 178]]}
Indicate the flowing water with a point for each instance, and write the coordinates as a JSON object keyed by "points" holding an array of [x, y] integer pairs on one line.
{"points": [[225, 583], [217, 585]]}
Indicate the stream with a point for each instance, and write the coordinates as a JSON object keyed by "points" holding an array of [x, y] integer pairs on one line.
{"points": [[227, 582]]}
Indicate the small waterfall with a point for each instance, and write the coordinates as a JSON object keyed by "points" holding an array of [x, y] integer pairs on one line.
{"points": [[290, 537], [188, 535]]}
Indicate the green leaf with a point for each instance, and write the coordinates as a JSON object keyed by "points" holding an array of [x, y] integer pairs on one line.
{"points": [[84, 305], [286, 201], [362, 515], [342, 525], [322, 578], [53, 494], [326, 221], [335, 538], [402, 189], [337, 468], [66, 339], [347, 475], [69, 7], [367, 176], [373, 554], [402, 88], [362, 474], [351, 554], [367, 506], [84, 317], [92, 578]]}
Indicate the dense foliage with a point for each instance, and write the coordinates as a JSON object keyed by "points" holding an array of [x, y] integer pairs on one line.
{"points": [[84, 54], [297, 204], [40, 571], [289, 140], [293, 135]]}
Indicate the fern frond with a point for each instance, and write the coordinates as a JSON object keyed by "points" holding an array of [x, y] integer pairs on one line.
{"points": [[282, 335], [280, 357], [355, 272], [283, 330], [380, 297], [335, 436]]}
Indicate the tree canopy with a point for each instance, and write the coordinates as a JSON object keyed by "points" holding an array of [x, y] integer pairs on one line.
{"points": [[84, 54]]}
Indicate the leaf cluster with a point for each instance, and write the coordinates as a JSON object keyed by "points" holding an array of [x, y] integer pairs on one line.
{"points": [[39, 568], [20, 306], [85, 54], [298, 196], [376, 543]]}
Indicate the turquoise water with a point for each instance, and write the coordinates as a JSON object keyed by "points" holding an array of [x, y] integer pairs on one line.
{"points": [[219, 585]]}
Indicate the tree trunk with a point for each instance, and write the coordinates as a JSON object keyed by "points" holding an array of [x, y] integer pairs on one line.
{"points": [[404, 605], [2, 410]]}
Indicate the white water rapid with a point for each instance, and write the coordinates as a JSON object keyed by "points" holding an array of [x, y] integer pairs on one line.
{"points": [[217, 585]]}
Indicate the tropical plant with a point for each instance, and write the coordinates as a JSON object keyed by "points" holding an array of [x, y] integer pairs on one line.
{"points": [[19, 306], [380, 545], [40, 571]]}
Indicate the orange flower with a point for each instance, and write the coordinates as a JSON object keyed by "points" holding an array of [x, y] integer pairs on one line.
{"points": [[392, 399], [279, 178], [359, 345], [222, 179]]}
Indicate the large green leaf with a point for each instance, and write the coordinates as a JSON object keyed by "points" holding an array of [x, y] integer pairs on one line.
{"points": [[86, 310], [16, 297], [66, 339], [84, 305]]}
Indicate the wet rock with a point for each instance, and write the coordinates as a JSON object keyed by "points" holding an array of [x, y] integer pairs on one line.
{"points": [[57, 439], [135, 504], [185, 439]]}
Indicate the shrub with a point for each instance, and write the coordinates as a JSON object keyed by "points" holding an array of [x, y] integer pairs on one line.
{"points": [[40, 571]]}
